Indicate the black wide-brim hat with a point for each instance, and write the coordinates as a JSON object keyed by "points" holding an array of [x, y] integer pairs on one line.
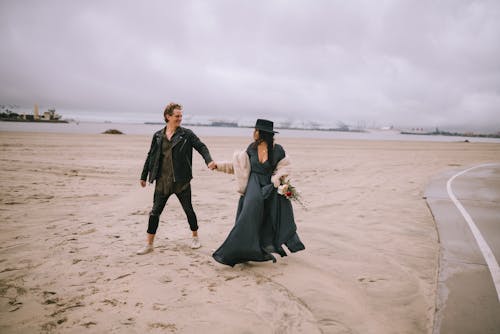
{"points": [[265, 125]]}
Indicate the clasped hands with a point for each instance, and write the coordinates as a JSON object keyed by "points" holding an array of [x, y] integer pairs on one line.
{"points": [[212, 165]]}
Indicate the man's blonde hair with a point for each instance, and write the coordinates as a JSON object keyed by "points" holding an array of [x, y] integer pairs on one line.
{"points": [[169, 109]]}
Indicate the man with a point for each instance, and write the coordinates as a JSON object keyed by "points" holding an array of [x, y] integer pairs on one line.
{"points": [[169, 162]]}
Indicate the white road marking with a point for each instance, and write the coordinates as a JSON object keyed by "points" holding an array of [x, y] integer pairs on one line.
{"points": [[483, 246]]}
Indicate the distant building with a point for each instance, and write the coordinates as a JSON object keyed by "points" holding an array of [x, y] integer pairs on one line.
{"points": [[36, 116], [48, 116]]}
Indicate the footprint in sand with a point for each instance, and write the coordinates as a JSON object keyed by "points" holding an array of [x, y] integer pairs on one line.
{"points": [[159, 307], [165, 279], [139, 213], [370, 280], [124, 275], [128, 322], [52, 325], [88, 324], [92, 230], [160, 325], [14, 305], [50, 298], [112, 302], [212, 287], [63, 307], [334, 325]]}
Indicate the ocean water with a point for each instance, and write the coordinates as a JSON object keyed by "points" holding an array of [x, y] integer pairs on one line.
{"points": [[209, 131]]}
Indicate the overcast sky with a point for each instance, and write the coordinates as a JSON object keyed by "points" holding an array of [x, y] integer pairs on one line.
{"points": [[400, 62]]}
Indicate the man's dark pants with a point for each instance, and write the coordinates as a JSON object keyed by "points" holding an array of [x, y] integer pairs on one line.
{"points": [[159, 202]]}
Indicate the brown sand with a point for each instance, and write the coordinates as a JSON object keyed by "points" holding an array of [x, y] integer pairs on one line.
{"points": [[72, 215]]}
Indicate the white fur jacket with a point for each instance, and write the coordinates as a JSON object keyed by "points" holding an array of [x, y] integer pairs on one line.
{"points": [[240, 167]]}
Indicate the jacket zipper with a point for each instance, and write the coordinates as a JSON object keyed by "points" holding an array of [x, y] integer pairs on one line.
{"points": [[180, 150], [183, 143]]}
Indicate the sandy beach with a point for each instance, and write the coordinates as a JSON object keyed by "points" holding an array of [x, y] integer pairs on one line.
{"points": [[72, 215]]}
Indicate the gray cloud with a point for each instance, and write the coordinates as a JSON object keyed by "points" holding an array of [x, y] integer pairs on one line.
{"points": [[407, 63]]}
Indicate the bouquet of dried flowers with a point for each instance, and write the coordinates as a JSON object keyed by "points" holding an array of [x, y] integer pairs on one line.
{"points": [[290, 192]]}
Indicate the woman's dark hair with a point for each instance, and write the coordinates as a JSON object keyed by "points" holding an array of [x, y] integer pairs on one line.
{"points": [[267, 137]]}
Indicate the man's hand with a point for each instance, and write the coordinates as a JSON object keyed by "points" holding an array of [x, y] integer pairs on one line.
{"points": [[212, 165], [143, 183]]}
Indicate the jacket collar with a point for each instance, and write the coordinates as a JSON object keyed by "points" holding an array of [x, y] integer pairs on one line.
{"points": [[178, 136]]}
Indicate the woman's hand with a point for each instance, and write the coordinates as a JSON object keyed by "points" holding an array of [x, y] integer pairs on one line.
{"points": [[143, 183]]}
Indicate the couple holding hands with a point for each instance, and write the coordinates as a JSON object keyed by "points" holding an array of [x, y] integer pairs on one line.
{"points": [[264, 219]]}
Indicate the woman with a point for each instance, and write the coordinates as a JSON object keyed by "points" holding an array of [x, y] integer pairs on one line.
{"points": [[264, 220]]}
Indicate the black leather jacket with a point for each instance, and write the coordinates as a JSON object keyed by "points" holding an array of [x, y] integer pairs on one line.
{"points": [[183, 142]]}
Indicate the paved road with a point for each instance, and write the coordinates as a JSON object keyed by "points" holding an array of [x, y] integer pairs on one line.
{"points": [[469, 282]]}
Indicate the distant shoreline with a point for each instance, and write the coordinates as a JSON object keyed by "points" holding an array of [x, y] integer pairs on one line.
{"points": [[214, 131], [33, 121], [452, 134], [249, 127]]}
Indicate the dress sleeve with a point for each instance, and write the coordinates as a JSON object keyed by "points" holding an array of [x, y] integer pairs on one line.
{"points": [[225, 167], [279, 153]]}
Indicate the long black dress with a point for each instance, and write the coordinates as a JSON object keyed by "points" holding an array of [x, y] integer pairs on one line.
{"points": [[264, 219]]}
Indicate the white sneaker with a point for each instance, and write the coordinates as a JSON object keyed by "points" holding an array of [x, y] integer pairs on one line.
{"points": [[195, 243], [144, 250]]}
